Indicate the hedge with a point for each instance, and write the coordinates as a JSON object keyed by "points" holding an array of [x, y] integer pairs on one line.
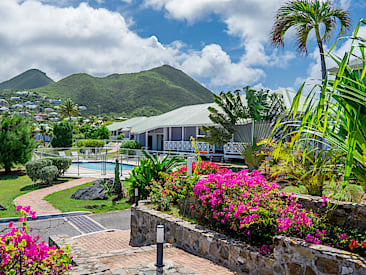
{"points": [[34, 168], [62, 164], [90, 143], [48, 174]]}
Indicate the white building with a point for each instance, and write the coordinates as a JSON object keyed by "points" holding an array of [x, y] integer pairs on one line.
{"points": [[172, 131]]}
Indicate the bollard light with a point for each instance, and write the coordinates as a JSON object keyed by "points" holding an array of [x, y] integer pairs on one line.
{"points": [[136, 196], [159, 246]]}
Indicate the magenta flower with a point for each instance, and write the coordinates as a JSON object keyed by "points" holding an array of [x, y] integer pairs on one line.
{"points": [[11, 224]]}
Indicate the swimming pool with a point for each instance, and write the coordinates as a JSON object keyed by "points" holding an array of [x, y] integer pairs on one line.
{"points": [[98, 165]]}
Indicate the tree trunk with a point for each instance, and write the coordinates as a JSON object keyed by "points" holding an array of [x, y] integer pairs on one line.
{"points": [[7, 167], [322, 57]]}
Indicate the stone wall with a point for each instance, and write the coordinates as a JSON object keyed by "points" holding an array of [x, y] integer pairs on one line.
{"points": [[344, 214], [291, 256]]}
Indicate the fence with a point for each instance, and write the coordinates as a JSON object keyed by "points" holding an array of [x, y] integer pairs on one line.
{"points": [[100, 162]]}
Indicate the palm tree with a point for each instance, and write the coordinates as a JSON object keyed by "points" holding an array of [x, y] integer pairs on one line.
{"points": [[305, 16], [68, 109]]}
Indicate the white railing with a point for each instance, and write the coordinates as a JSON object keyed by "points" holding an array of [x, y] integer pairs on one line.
{"points": [[233, 148], [186, 146]]}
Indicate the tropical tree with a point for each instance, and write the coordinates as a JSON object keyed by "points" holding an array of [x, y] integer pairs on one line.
{"points": [[305, 16], [62, 134], [68, 109], [260, 110], [338, 118], [16, 144]]}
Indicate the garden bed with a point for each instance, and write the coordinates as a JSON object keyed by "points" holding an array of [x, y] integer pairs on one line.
{"points": [[290, 256]]}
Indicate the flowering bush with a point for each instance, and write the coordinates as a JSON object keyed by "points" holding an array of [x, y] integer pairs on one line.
{"points": [[21, 254], [176, 187], [204, 168], [252, 207]]}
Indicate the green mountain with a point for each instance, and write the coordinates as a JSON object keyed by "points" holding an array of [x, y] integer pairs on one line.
{"points": [[153, 91], [30, 79]]}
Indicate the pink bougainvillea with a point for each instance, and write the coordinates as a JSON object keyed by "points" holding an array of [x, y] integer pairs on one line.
{"points": [[21, 253], [243, 201]]}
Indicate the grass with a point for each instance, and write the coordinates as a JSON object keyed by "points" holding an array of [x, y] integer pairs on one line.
{"points": [[15, 185], [62, 200]]}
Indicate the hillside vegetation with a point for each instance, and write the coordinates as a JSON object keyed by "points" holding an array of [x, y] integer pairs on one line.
{"points": [[148, 92], [28, 80]]}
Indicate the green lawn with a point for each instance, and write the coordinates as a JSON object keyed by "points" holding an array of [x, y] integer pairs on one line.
{"points": [[62, 200], [13, 186]]}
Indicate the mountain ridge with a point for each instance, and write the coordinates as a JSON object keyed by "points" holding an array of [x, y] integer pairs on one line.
{"points": [[148, 92], [30, 79]]}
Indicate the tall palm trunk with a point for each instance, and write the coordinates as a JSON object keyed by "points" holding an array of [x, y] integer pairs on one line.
{"points": [[321, 50]]}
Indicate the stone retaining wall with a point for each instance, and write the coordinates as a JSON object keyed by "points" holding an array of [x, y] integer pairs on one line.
{"points": [[345, 214], [291, 256]]}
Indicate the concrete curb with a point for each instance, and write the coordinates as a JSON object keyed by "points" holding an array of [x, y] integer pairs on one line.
{"points": [[44, 217]]}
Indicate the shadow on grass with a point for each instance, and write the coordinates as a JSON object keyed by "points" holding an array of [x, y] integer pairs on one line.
{"points": [[40, 185], [12, 175]]}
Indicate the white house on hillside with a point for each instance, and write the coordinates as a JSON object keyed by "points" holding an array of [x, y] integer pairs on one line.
{"points": [[172, 131]]}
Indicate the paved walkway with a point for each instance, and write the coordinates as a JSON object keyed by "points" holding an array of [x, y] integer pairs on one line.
{"points": [[112, 249], [35, 198]]}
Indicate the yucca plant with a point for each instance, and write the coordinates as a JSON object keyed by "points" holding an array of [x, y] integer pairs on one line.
{"points": [[162, 165]]}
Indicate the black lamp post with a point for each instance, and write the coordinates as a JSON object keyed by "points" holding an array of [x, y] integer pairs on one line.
{"points": [[136, 196], [159, 246]]}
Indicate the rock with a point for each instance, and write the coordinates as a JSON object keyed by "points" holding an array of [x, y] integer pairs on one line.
{"points": [[92, 192], [2, 208]]}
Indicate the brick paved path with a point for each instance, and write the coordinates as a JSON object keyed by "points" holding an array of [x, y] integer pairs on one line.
{"points": [[113, 250], [35, 198]]}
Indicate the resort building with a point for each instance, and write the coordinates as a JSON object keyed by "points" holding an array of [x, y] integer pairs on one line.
{"points": [[172, 131]]}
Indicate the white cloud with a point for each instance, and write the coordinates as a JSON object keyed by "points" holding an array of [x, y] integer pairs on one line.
{"points": [[250, 20], [65, 40], [213, 61]]}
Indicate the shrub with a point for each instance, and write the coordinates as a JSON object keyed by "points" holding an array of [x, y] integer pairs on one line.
{"points": [[48, 174], [16, 144], [243, 203], [120, 136], [141, 178], [21, 253], [62, 135], [62, 164], [130, 144], [151, 168], [34, 168], [90, 143]]}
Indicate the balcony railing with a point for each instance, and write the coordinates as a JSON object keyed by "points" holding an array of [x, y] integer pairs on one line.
{"points": [[231, 148]]}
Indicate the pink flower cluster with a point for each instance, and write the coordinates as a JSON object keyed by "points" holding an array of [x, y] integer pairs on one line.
{"points": [[20, 252], [244, 200]]}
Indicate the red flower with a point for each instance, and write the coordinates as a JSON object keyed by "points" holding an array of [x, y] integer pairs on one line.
{"points": [[354, 244]]}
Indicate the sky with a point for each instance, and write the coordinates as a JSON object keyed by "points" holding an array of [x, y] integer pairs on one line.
{"points": [[223, 44]]}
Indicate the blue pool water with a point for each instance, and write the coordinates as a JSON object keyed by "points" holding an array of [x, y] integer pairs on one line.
{"points": [[97, 165]]}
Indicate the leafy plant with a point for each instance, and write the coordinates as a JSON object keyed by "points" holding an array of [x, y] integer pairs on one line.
{"points": [[16, 144], [141, 177], [262, 107], [48, 174], [120, 136], [62, 134], [90, 143], [338, 118], [21, 253], [62, 164], [34, 168], [162, 165]]}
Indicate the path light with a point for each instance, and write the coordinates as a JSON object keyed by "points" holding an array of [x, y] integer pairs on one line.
{"points": [[189, 165], [136, 196], [159, 246]]}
